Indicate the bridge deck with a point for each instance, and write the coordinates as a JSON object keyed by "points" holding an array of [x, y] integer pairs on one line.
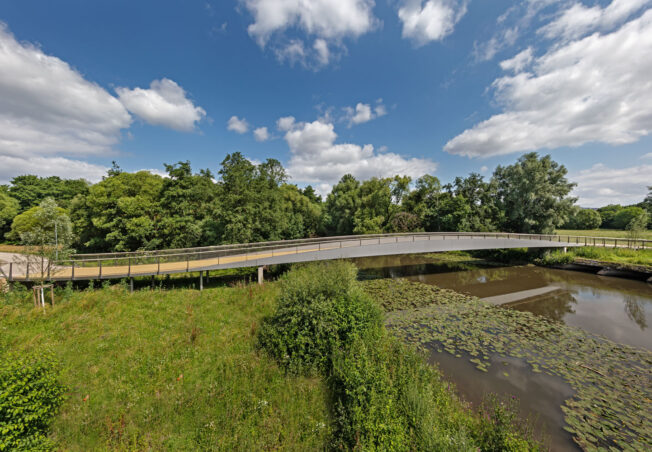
{"points": [[123, 265]]}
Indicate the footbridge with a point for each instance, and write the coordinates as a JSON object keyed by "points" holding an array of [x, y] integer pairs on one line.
{"points": [[205, 259]]}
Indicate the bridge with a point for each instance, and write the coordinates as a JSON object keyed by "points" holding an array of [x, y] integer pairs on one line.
{"points": [[204, 259]]}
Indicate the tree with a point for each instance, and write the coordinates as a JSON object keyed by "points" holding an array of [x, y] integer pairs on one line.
{"points": [[341, 205], [533, 194], [46, 232], [482, 213], [637, 225], [585, 219], [625, 216], [251, 200], [185, 201], [30, 190], [303, 213], [8, 210], [120, 213], [423, 200], [374, 207], [608, 213]]}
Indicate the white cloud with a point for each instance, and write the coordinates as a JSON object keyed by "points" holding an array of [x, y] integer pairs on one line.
{"points": [[317, 159], [519, 62], [47, 107], [326, 22], [484, 169], [364, 113], [237, 125], [647, 156], [286, 123], [12, 166], [601, 185], [578, 20], [596, 89], [510, 25], [430, 21], [164, 104], [261, 134]]}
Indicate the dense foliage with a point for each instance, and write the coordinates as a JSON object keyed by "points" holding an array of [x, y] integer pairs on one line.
{"points": [[384, 396], [250, 202], [30, 396]]}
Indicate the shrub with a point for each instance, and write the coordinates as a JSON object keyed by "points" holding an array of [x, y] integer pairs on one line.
{"points": [[320, 309], [555, 258], [30, 396], [587, 219], [499, 428]]}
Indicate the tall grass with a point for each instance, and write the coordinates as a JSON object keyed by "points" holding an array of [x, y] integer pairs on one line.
{"points": [[166, 370]]}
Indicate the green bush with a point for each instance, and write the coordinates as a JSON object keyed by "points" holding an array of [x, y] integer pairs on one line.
{"points": [[555, 258], [30, 396], [320, 309], [499, 428], [384, 396]]}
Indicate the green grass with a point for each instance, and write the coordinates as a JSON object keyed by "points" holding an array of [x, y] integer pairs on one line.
{"points": [[167, 370], [612, 233], [618, 255]]}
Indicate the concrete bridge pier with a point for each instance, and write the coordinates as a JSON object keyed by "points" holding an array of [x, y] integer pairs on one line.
{"points": [[260, 275]]}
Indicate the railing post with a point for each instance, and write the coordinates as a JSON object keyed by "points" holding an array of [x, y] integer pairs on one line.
{"points": [[100, 269], [27, 272], [129, 269], [72, 276], [158, 263], [11, 271], [188, 262]]}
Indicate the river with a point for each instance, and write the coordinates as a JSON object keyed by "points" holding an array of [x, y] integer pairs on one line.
{"points": [[618, 309]]}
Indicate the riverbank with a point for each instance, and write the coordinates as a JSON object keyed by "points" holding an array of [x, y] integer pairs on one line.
{"points": [[611, 406], [182, 369]]}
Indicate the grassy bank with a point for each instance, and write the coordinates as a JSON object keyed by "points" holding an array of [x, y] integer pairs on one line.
{"points": [[621, 256], [167, 370], [384, 396], [611, 233]]}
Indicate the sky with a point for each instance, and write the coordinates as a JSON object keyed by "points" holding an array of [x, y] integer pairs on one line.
{"points": [[329, 87]]}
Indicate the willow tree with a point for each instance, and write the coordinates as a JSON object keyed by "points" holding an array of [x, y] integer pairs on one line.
{"points": [[533, 194]]}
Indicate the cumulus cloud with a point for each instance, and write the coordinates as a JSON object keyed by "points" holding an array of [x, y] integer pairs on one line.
{"points": [[578, 19], [601, 185], [432, 20], [324, 22], [47, 107], [165, 103], [364, 113], [12, 166], [316, 158], [261, 134], [594, 89], [237, 125]]}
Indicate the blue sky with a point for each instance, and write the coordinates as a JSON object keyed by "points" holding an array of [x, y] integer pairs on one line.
{"points": [[447, 87]]}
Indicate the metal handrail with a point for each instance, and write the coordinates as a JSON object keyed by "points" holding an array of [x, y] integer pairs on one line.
{"points": [[263, 250], [174, 252]]}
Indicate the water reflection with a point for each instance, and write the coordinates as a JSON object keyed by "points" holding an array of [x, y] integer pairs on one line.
{"points": [[617, 308]]}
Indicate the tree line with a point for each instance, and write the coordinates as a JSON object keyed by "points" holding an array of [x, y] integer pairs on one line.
{"points": [[248, 202]]}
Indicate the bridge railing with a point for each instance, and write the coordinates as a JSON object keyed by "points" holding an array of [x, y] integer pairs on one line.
{"points": [[138, 263]]}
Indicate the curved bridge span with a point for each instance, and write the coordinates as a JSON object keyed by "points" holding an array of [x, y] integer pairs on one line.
{"points": [[163, 262]]}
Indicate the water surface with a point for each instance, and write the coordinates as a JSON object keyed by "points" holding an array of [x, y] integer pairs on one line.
{"points": [[619, 309]]}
